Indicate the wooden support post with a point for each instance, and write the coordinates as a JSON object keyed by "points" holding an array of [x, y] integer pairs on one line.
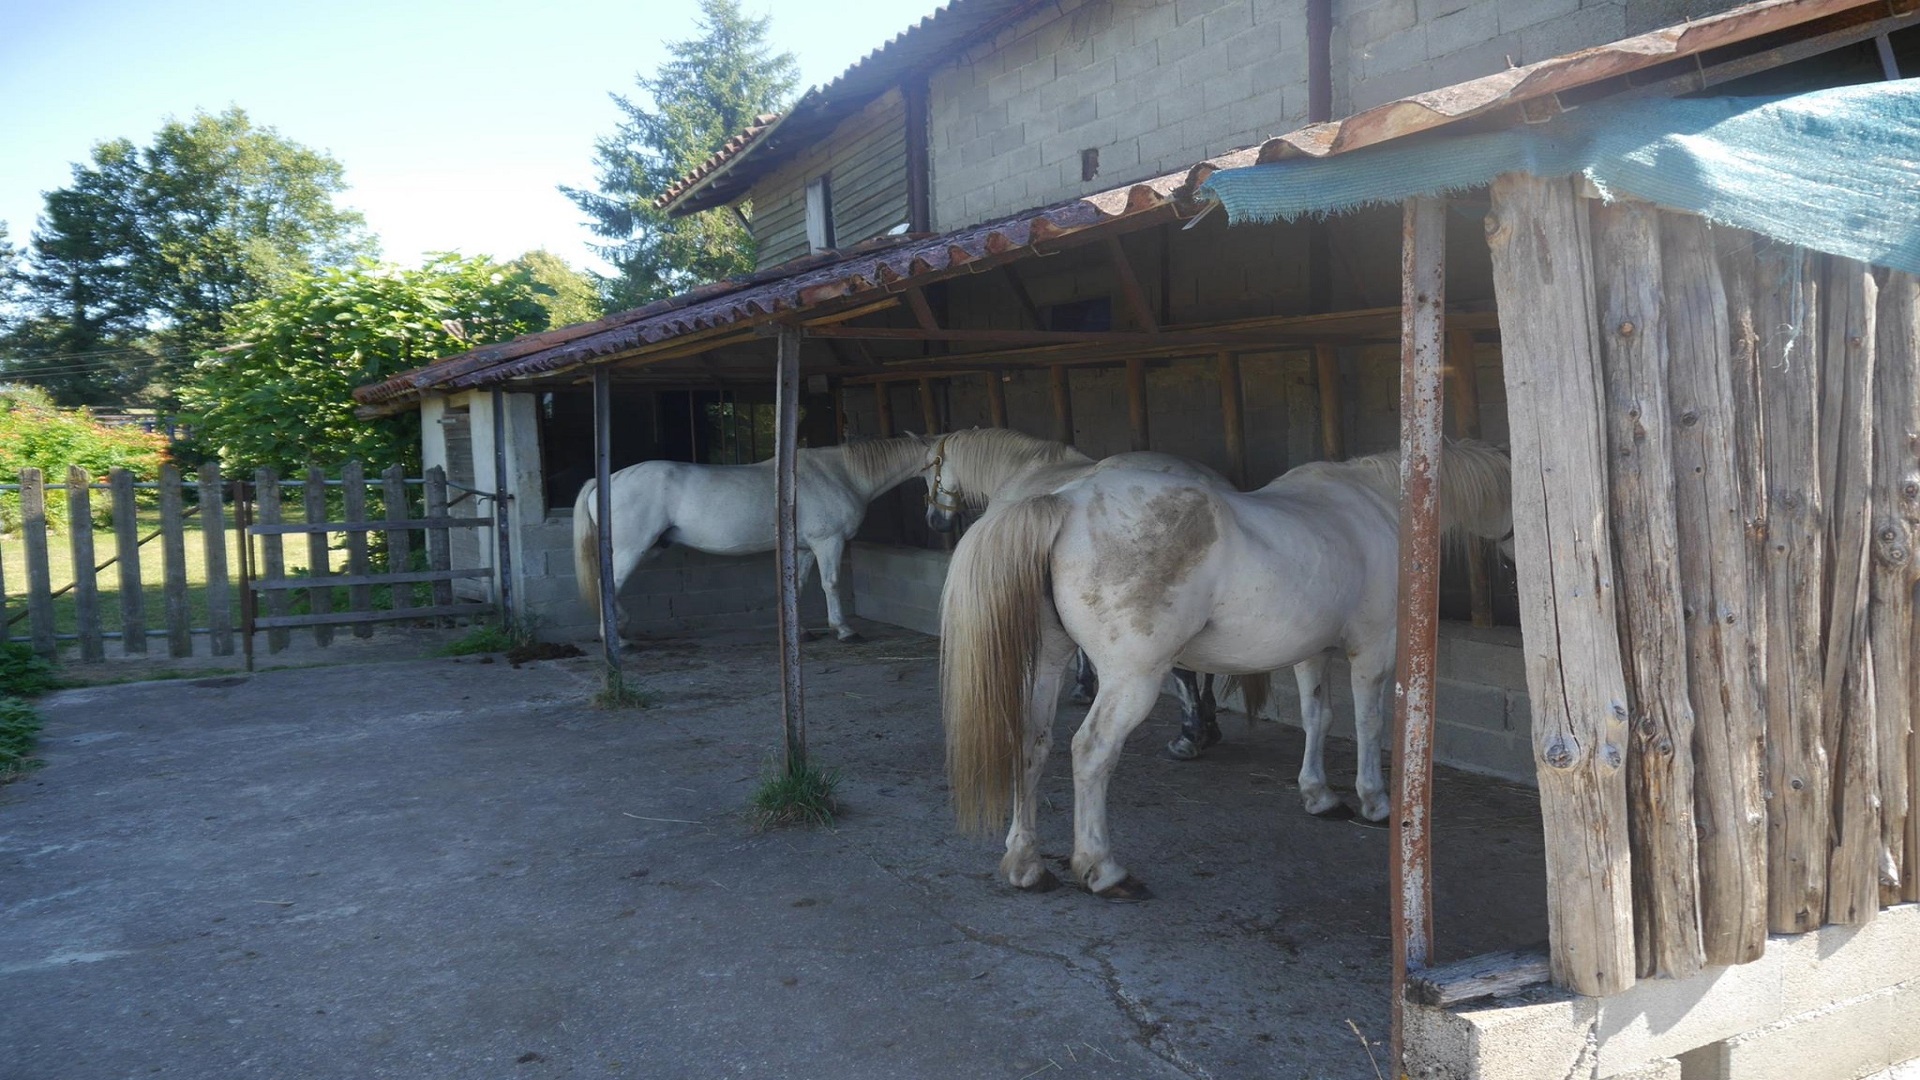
{"points": [[86, 589], [242, 519], [786, 456], [839, 391], [393, 492], [1233, 419], [883, 409], [996, 398], [353, 487], [319, 561], [126, 553], [173, 562], [33, 530], [603, 518], [1333, 422], [213, 545], [1423, 293], [1543, 280], [1786, 307], [1061, 385], [1639, 423], [1847, 693], [439, 547], [1717, 598], [273, 566], [1137, 404], [929, 416], [502, 504], [1463, 391], [1896, 572]]}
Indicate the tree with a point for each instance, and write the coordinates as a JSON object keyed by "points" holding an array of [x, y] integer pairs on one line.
{"points": [[568, 295], [283, 398], [133, 267], [711, 89], [36, 434]]}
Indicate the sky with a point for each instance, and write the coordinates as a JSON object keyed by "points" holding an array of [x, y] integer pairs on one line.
{"points": [[455, 121]]}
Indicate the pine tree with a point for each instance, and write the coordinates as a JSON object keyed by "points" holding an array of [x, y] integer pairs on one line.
{"points": [[711, 89]]}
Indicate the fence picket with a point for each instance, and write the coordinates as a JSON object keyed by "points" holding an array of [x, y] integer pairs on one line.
{"points": [[126, 549], [273, 563], [319, 598], [86, 589], [6, 621], [173, 554], [33, 526], [399, 541], [353, 481], [213, 534], [439, 553]]}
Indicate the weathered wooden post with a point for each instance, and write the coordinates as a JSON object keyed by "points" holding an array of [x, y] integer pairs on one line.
{"points": [[353, 486], [1060, 385], [1639, 422], [1423, 296], [86, 590], [603, 509], [126, 551], [33, 531], [883, 410], [173, 561], [1233, 418], [786, 457], [502, 527], [1463, 392], [996, 399], [1542, 274], [929, 415], [1896, 571], [213, 537], [273, 566], [1333, 414], [393, 492], [319, 568]]}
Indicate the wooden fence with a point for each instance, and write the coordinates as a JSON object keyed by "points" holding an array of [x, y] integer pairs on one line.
{"points": [[242, 584], [1716, 502]]}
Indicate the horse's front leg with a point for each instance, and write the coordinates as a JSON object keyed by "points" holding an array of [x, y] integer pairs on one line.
{"points": [[829, 551], [1316, 715], [1125, 700], [1198, 727], [803, 570], [1370, 674], [1022, 865]]}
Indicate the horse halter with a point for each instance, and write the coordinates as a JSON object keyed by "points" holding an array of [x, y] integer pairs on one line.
{"points": [[933, 486]]}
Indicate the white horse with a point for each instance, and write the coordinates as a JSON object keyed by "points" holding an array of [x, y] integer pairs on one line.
{"points": [[1146, 570], [728, 510], [977, 467]]}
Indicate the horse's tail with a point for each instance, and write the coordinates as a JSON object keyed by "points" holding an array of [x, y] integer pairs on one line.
{"points": [[586, 547], [1255, 690], [991, 613]]}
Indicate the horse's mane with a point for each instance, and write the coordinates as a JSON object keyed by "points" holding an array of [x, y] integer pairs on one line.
{"points": [[874, 461], [1476, 486], [989, 457]]}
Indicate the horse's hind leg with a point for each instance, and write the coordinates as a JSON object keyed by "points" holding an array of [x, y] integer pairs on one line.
{"points": [[1198, 727], [1086, 682], [1316, 715], [828, 553], [1022, 866], [1125, 700]]}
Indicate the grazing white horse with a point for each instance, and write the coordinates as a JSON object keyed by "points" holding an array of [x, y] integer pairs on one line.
{"points": [[728, 510], [977, 467], [1147, 570]]}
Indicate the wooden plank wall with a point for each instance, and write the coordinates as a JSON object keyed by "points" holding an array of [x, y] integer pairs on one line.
{"points": [[1746, 417]]}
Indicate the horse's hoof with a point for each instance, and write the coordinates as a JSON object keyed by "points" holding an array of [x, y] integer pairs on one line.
{"points": [[1211, 737], [1337, 812], [1046, 882], [1182, 749], [852, 637], [1128, 889]]}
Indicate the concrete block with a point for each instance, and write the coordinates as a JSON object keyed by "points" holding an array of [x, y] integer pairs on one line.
{"points": [[1471, 705], [1372, 22], [1036, 74], [1516, 15], [1179, 42], [1430, 10], [1577, 30], [1484, 752], [1225, 22], [1461, 29], [1840, 1042], [1405, 50], [1491, 657], [1547, 1034]]}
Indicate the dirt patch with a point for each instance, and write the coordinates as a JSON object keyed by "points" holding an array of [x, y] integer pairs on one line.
{"points": [[542, 650]]}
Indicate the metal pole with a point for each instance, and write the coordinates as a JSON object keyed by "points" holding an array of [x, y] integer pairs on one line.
{"points": [[785, 457], [502, 544], [1423, 278], [603, 511]]}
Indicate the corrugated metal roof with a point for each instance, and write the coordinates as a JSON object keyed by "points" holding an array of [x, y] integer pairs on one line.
{"points": [[733, 169], [894, 263]]}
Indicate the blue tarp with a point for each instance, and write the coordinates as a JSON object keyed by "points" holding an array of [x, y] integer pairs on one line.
{"points": [[1834, 170]]}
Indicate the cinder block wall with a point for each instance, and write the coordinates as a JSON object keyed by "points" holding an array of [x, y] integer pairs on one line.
{"points": [[1484, 716], [676, 590]]}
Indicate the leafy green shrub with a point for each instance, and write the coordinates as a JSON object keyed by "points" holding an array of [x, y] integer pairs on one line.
{"points": [[19, 730], [24, 673], [35, 434]]}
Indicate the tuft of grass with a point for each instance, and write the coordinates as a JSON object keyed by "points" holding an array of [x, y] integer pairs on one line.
{"points": [[800, 795], [24, 673], [19, 730], [490, 638], [618, 693]]}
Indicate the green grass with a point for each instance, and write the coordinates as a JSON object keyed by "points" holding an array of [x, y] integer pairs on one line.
{"points": [[23, 674], [489, 638], [19, 729], [618, 693], [802, 796]]}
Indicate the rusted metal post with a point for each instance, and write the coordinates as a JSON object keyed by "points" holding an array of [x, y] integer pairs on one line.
{"points": [[1333, 414], [1059, 381], [603, 511], [1423, 281], [502, 527], [785, 457], [1232, 422]]}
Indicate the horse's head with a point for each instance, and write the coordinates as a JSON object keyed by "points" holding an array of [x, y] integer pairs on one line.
{"points": [[944, 497]]}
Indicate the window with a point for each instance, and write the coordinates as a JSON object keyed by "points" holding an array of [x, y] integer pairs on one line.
{"points": [[820, 215]]}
